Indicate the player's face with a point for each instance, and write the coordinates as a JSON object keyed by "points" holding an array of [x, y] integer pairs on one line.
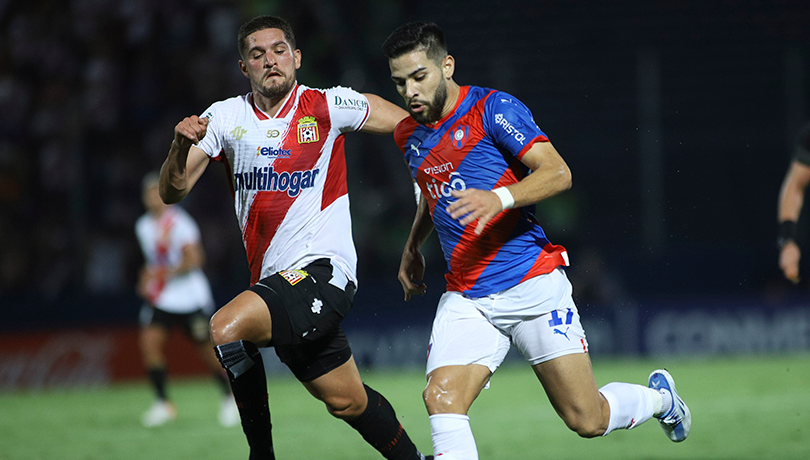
{"points": [[152, 201], [270, 63], [422, 83]]}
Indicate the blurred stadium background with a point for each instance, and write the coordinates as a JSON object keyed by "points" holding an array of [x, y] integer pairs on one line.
{"points": [[677, 119]]}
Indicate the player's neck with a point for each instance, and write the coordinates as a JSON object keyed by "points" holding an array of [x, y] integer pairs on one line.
{"points": [[450, 102], [453, 91], [269, 105]]}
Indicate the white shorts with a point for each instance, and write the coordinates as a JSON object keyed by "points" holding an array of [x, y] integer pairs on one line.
{"points": [[538, 315]]}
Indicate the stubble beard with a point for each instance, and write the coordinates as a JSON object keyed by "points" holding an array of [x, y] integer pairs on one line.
{"points": [[434, 108], [276, 91]]}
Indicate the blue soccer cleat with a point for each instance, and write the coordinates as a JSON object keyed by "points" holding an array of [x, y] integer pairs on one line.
{"points": [[677, 421]]}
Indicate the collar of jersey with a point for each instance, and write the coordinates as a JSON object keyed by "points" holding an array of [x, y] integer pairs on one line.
{"points": [[285, 108]]}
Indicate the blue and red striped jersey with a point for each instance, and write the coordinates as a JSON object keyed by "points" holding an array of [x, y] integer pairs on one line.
{"points": [[479, 145]]}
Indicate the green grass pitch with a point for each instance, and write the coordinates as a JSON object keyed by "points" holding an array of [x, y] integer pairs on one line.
{"points": [[743, 408]]}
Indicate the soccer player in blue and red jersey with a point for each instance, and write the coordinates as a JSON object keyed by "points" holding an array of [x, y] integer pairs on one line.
{"points": [[480, 160]]}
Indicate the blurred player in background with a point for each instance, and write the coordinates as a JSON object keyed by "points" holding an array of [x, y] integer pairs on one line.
{"points": [[471, 149], [177, 293], [282, 145], [791, 198]]}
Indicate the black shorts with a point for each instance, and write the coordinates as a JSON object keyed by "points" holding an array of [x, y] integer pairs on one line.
{"points": [[306, 307], [194, 324]]}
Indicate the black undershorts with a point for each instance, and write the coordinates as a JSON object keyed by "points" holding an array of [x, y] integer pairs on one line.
{"points": [[306, 307], [194, 324]]}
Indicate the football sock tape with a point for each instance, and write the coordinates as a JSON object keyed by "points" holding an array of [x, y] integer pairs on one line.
{"points": [[246, 372]]}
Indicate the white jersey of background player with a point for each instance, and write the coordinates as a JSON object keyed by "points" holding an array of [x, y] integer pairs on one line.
{"points": [[306, 217], [162, 239]]}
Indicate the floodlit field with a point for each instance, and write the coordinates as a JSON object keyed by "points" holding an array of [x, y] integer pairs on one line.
{"points": [[743, 408]]}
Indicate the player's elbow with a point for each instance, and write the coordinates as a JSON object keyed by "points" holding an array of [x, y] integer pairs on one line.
{"points": [[168, 195], [564, 181]]}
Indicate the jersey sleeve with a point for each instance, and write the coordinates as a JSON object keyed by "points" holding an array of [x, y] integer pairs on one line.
{"points": [[511, 125], [211, 144], [402, 132], [348, 109], [803, 146]]}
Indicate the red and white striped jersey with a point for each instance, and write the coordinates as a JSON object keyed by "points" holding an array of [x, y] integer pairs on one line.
{"points": [[288, 176], [162, 240]]}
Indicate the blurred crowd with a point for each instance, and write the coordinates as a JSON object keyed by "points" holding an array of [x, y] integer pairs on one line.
{"points": [[90, 91]]}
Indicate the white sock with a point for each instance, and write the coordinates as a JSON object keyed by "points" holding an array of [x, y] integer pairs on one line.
{"points": [[630, 404], [452, 437], [665, 398]]}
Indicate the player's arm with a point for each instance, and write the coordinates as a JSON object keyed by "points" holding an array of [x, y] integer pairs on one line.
{"points": [[550, 176], [193, 258], [791, 199], [185, 163], [412, 265], [383, 116]]}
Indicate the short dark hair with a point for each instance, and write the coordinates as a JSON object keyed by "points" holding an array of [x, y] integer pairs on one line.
{"points": [[260, 23], [415, 36]]}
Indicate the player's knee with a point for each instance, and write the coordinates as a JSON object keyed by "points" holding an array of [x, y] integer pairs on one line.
{"points": [[344, 408], [438, 400], [224, 328]]}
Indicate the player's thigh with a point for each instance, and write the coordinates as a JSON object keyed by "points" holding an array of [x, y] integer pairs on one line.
{"points": [[452, 389], [461, 335], [571, 388], [341, 389], [154, 331], [246, 317], [152, 338]]}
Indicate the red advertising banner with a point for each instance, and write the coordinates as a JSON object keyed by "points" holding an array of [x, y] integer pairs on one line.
{"points": [[92, 356]]}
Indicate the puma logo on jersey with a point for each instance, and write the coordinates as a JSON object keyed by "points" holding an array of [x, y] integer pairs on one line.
{"points": [[265, 179]]}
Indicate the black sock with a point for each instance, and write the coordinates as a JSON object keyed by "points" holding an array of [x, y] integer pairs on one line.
{"points": [[222, 381], [157, 375], [379, 426], [245, 369]]}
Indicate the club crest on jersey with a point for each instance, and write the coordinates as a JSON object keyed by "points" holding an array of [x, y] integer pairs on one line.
{"points": [[293, 276], [307, 130], [460, 135]]}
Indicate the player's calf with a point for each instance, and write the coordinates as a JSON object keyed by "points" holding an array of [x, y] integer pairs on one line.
{"points": [[245, 368], [379, 426]]}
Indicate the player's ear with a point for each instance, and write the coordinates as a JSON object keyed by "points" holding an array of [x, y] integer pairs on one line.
{"points": [[243, 68], [448, 67], [297, 56]]}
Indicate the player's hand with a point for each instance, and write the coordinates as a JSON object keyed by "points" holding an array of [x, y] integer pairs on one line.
{"points": [[789, 258], [474, 204], [142, 288], [411, 271], [190, 131]]}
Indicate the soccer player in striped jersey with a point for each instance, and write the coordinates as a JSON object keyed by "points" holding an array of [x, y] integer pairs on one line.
{"points": [[282, 146], [176, 293], [480, 161]]}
